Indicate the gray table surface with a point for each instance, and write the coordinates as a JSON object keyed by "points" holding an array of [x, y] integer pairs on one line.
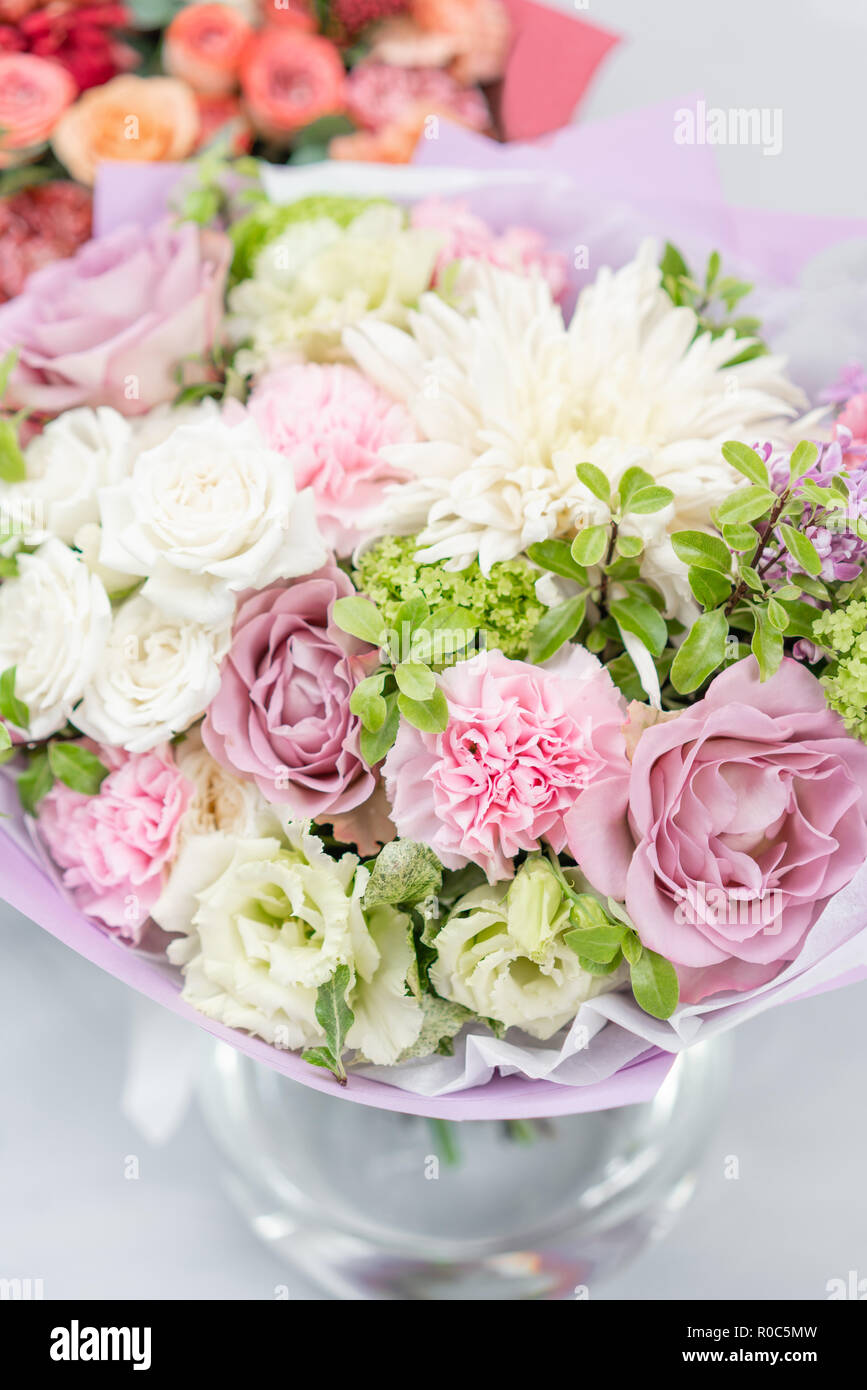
{"points": [[796, 1118]]}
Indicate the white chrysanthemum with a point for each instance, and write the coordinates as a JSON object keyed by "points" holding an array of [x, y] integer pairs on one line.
{"points": [[157, 676], [508, 401], [206, 514], [54, 621], [317, 277], [273, 920]]}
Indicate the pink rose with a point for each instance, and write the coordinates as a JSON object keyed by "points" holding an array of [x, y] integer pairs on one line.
{"points": [[330, 423], [115, 847], [739, 820], [522, 744], [467, 238], [281, 715], [852, 420], [110, 325]]}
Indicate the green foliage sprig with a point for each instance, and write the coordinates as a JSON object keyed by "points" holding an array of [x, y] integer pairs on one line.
{"points": [[713, 299], [47, 760]]}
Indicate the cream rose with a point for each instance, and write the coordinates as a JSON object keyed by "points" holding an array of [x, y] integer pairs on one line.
{"points": [[209, 513], [156, 676], [274, 919], [55, 619]]}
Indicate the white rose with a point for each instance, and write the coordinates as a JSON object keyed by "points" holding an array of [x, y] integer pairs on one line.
{"points": [[222, 801], [158, 424], [273, 920], [55, 619], [157, 676], [74, 456], [207, 514]]}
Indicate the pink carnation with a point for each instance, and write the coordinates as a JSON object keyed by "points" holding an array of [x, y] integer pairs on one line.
{"points": [[379, 95], [330, 423], [467, 238], [522, 744], [740, 818], [114, 847], [853, 418]]}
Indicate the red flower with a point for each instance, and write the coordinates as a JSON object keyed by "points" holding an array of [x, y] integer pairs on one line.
{"points": [[355, 15], [45, 223], [290, 78], [81, 37]]}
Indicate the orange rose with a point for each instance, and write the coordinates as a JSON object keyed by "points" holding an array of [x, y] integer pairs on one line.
{"points": [[289, 79], [136, 118], [204, 45], [34, 93]]}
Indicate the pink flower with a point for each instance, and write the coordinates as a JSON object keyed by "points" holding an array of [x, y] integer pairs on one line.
{"points": [[853, 417], [110, 325], [378, 95], [468, 238], [115, 847], [281, 715], [740, 819], [330, 423], [522, 744]]}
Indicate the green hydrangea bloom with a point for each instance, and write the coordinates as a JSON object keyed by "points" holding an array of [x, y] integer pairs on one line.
{"points": [[504, 605], [843, 633], [269, 220]]}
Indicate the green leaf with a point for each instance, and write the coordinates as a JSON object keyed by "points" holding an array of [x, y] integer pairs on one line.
{"points": [[367, 703], [594, 479], [766, 646], [404, 873], [360, 618], [698, 548], [655, 984], [11, 708], [633, 480], [703, 650], [777, 615], [595, 967], [713, 265], [599, 944], [809, 585], [746, 504], [556, 626], [740, 537], [636, 616], [556, 556], [411, 614], [35, 783], [335, 1017], [802, 549], [430, 716], [709, 587], [589, 546], [649, 499], [746, 461], [5, 738], [632, 947], [803, 458], [629, 546], [802, 617], [76, 767], [751, 578], [8, 363], [672, 262], [13, 468], [376, 743], [415, 681]]}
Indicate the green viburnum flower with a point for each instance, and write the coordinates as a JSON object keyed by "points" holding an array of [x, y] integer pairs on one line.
{"points": [[843, 633], [269, 220], [503, 605], [503, 953]]}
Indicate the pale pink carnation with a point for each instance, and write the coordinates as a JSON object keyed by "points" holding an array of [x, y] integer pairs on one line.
{"points": [[467, 238], [330, 423], [114, 848], [522, 744], [379, 95]]}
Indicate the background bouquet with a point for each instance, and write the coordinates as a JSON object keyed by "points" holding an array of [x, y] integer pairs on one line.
{"points": [[530, 688]]}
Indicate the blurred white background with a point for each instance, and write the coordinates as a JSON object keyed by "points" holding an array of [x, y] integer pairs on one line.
{"points": [[796, 1217]]}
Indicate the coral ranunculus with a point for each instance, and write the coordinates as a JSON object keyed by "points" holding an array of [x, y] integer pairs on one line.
{"points": [[136, 118], [204, 46], [289, 79], [39, 225], [34, 93]]}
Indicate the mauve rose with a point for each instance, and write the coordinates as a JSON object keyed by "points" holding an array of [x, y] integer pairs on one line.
{"points": [[281, 715], [740, 818], [110, 325]]}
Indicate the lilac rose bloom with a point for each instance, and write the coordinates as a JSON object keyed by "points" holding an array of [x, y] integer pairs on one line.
{"points": [[281, 715]]}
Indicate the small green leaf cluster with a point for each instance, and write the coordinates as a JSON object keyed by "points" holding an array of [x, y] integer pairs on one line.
{"points": [[598, 559], [713, 299], [12, 466], [56, 759], [405, 685], [752, 601], [335, 1018]]}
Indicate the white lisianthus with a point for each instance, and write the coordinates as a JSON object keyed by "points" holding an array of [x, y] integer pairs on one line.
{"points": [[317, 278], [502, 954], [156, 676], [209, 513], [55, 618], [508, 400], [273, 920], [74, 456]]}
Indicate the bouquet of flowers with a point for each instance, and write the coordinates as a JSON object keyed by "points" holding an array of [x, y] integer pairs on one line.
{"points": [[443, 667]]}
